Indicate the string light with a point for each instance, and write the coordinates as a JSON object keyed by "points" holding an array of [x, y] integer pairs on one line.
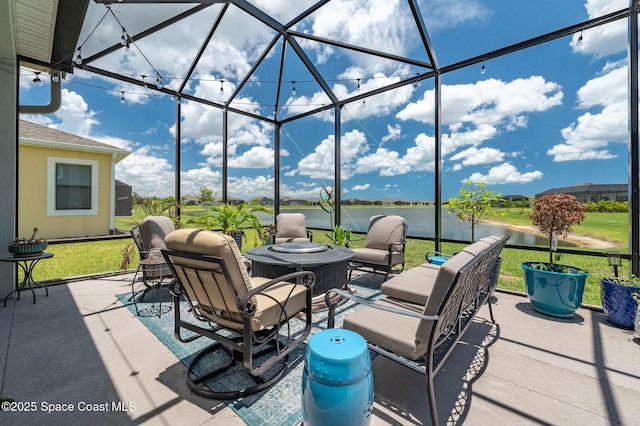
{"points": [[293, 90], [124, 38], [55, 77], [358, 83], [36, 80], [144, 83], [159, 81], [221, 87], [579, 41], [121, 97], [483, 69], [78, 60]]}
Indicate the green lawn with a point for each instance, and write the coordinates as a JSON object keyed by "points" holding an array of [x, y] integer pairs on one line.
{"points": [[79, 259]]}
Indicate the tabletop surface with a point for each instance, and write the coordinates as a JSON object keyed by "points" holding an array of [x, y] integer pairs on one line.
{"points": [[37, 256], [267, 255]]}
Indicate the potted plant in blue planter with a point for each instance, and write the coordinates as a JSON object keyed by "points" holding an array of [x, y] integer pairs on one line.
{"points": [[554, 289], [618, 302]]}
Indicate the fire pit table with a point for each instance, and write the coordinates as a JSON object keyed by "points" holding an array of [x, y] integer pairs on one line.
{"points": [[328, 263]]}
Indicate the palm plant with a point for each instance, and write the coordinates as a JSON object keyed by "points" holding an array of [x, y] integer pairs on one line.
{"points": [[232, 219]]}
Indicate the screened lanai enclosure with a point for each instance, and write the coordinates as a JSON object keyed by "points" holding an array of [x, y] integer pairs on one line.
{"points": [[394, 102]]}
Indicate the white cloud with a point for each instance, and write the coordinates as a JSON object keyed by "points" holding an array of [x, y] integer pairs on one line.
{"points": [[393, 133], [451, 13], [361, 187], [74, 115], [474, 156], [588, 137], [488, 101], [504, 173], [606, 39], [320, 163], [255, 157]]}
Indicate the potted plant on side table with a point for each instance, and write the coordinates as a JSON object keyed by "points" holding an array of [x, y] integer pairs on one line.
{"points": [[27, 246], [555, 289]]}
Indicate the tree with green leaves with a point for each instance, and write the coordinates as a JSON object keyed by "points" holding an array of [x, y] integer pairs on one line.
{"points": [[206, 196], [472, 203]]}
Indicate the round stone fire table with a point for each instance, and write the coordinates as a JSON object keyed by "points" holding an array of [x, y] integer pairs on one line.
{"points": [[328, 263]]}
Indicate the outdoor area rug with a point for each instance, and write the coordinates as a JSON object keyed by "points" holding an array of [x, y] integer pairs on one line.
{"points": [[280, 404]]}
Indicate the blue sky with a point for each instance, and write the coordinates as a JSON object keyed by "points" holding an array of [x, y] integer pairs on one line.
{"points": [[553, 115]]}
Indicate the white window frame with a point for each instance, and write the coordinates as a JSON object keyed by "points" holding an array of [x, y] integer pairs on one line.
{"points": [[51, 186]]}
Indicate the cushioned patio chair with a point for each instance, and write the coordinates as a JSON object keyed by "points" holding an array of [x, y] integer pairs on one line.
{"points": [[384, 246], [249, 319], [148, 236], [420, 336], [292, 228]]}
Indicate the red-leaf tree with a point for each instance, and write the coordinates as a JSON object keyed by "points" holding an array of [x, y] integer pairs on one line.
{"points": [[555, 214]]}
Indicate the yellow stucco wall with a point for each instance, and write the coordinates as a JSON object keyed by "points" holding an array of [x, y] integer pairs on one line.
{"points": [[32, 195]]}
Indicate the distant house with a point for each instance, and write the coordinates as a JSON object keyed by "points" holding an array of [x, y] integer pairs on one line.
{"points": [[66, 183], [586, 192], [189, 200]]}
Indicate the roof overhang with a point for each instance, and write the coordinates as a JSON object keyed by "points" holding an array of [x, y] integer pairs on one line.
{"points": [[47, 31], [117, 153]]}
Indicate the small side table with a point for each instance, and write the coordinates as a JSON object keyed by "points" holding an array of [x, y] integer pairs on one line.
{"points": [[27, 263], [156, 266]]}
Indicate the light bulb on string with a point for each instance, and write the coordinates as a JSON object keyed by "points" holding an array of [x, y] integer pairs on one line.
{"points": [[123, 39], [78, 59], [121, 97], [55, 77], [483, 69], [579, 41], [144, 83], [159, 81], [221, 87], [36, 80], [358, 80], [293, 89]]}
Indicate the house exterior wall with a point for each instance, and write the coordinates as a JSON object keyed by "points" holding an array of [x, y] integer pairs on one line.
{"points": [[8, 143], [33, 195]]}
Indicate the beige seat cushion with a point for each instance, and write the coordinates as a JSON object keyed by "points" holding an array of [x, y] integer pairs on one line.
{"points": [[375, 256], [414, 285], [216, 298], [394, 332]]}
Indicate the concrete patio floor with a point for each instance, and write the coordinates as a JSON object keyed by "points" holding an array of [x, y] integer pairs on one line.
{"points": [[80, 348]]}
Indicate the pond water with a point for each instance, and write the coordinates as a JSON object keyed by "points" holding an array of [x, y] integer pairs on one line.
{"points": [[420, 221]]}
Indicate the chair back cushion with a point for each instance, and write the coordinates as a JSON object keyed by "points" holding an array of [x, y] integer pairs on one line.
{"points": [[291, 225], [217, 294], [153, 230], [384, 230]]}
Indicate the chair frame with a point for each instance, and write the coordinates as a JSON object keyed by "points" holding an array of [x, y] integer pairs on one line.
{"points": [[240, 345], [144, 269], [377, 268]]}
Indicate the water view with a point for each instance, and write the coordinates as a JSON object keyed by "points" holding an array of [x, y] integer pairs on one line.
{"points": [[420, 221]]}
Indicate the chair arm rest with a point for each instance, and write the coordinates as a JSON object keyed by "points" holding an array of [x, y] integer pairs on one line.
{"points": [[396, 243], [366, 302], [309, 283]]}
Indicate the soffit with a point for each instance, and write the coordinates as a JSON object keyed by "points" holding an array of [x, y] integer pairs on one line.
{"points": [[46, 31]]}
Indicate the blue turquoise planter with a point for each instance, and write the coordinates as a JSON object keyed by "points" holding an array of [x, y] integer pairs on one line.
{"points": [[617, 302], [558, 294]]}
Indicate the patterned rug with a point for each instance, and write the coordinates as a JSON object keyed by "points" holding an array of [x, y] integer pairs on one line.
{"points": [[278, 405]]}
